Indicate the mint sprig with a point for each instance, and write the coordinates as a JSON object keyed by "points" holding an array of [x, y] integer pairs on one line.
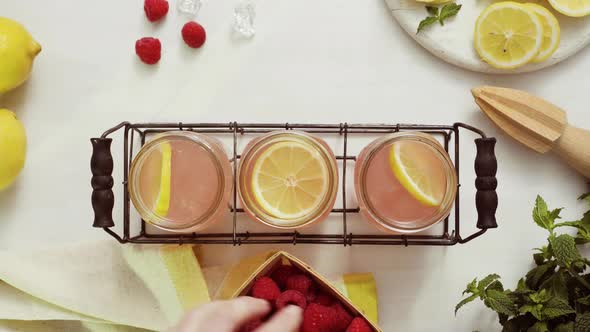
{"points": [[554, 295], [438, 15]]}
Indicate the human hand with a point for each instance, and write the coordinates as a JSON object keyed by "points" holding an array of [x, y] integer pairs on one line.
{"points": [[229, 316]]}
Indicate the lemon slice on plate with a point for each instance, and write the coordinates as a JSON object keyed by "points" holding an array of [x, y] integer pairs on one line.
{"points": [[407, 162], [573, 8], [289, 180], [551, 32], [508, 35], [162, 204]]}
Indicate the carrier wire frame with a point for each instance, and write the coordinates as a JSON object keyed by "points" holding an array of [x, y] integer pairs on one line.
{"points": [[103, 197]]}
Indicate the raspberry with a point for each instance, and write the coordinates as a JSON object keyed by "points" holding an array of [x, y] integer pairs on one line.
{"points": [[300, 283], [194, 34], [359, 325], [292, 297], [282, 273], [343, 318], [149, 50], [318, 318], [251, 325], [265, 288], [155, 9]]}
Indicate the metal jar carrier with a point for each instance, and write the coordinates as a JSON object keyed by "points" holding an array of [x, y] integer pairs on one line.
{"points": [[486, 199]]}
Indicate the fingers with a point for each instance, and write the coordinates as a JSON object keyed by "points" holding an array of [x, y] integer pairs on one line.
{"points": [[286, 320], [243, 309], [223, 316]]}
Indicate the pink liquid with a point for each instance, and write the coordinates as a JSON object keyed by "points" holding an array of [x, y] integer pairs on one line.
{"points": [[387, 196], [194, 182]]}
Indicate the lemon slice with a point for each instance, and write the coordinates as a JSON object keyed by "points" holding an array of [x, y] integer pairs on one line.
{"points": [[508, 35], [551, 32], [289, 180], [407, 160], [573, 8], [163, 199]]}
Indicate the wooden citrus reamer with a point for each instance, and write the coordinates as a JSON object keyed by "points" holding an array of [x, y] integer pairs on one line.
{"points": [[536, 123]]}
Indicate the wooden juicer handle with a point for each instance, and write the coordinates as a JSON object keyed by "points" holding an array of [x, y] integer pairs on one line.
{"points": [[574, 147]]}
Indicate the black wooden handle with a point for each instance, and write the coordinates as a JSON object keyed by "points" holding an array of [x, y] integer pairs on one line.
{"points": [[101, 165], [486, 198]]}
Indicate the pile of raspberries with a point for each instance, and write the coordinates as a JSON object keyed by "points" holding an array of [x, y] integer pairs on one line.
{"points": [[149, 49], [287, 285]]}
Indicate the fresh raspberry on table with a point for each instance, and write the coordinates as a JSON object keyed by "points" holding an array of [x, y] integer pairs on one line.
{"points": [[265, 288], [343, 318], [251, 326], [194, 34], [155, 9], [282, 273], [149, 50], [300, 283], [359, 324], [292, 297], [318, 318], [324, 299]]}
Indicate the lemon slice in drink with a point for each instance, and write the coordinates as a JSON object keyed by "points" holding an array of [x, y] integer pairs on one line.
{"points": [[551, 32], [412, 164], [573, 8], [162, 204], [289, 180], [508, 35]]}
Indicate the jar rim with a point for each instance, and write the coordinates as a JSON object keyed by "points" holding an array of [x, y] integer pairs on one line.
{"points": [[451, 177], [260, 144], [214, 152]]}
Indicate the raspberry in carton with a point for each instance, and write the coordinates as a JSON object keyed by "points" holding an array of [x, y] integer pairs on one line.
{"points": [[285, 280]]}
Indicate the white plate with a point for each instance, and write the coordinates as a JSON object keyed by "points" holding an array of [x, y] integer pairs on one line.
{"points": [[453, 42]]}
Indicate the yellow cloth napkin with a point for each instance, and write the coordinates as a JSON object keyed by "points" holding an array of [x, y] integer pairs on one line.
{"points": [[112, 288]]}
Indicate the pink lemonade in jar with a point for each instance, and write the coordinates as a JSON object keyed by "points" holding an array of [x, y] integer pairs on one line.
{"points": [[181, 181], [405, 182]]}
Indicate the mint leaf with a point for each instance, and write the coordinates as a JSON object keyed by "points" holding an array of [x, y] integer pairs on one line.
{"points": [[436, 15], [543, 217], [538, 327], [485, 282], [430, 20], [534, 309], [564, 249], [557, 285], [499, 302], [585, 196], [448, 11], [432, 10], [540, 212], [471, 287], [565, 327], [584, 300], [582, 323], [464, 302], [496, 285], [557, 307], [540, 297], [538, 275]]}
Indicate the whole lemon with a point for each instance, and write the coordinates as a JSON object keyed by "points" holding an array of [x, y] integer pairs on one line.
{"points": [[13, 147], [17, 52]]}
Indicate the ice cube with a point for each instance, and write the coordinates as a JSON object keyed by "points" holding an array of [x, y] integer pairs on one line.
{"points": [[244, 15], [189, 7]]}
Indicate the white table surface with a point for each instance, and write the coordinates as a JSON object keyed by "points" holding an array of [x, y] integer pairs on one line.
{"points": [[328, 61]]}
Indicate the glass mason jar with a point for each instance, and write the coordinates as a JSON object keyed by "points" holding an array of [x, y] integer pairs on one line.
{"points": [[288, 179], [405, 182], [181, 181]]}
